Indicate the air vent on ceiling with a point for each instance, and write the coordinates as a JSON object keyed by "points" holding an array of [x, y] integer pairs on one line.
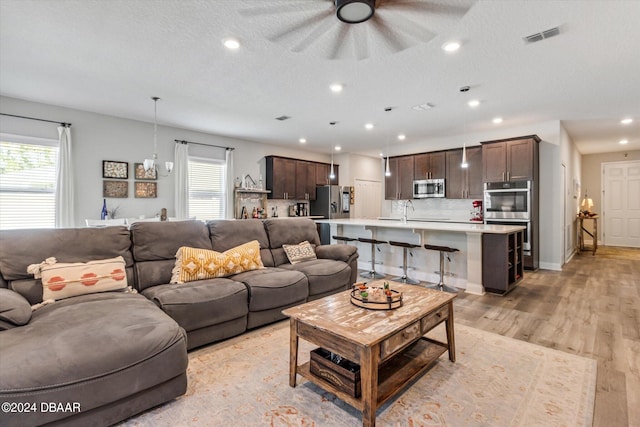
{"points": [[423, 107], [542, 35], [283, 118]]}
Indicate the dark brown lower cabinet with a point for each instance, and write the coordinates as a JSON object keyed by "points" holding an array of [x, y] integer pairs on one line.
{"points": [[502, 261]]}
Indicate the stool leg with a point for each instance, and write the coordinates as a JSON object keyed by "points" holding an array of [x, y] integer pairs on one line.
{"points": [[441, 286], [372, 274], [404, 278]]}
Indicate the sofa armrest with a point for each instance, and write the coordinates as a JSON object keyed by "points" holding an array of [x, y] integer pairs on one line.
{"points": [[346, 253], [15, 310]]}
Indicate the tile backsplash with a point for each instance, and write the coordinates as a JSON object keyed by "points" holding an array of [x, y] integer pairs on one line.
{"points": [[455, 209]]}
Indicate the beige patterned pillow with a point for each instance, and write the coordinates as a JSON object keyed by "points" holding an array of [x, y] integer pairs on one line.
{"points": [[64, 280], [199, 264], [301, 252]]}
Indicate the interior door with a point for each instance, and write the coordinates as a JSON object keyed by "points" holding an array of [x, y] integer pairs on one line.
{"points": [[367, 199], [621, 207]]}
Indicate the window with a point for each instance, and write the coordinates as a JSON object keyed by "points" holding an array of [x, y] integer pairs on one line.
{"points": [[27, 182], [206, 188]]}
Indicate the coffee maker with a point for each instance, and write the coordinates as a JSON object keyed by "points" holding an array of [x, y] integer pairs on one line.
{"points": [[476, 212]]}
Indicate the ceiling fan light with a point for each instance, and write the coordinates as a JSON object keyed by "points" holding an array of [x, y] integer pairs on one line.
{"points": [[354, 11]]}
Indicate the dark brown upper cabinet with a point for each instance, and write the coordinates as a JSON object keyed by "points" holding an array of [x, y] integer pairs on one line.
{"points": [[513, 159], [399, 186], [430, 165], [296, 179], [464, 183]]}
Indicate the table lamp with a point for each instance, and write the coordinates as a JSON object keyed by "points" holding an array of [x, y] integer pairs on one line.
{"points": [[586, 205]]}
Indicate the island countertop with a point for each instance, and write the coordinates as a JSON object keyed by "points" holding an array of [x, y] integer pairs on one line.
{"points": [[427, 225]]}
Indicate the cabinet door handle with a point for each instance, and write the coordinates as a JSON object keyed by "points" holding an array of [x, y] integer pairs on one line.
{"points": [[508, 175], [503, 176]]}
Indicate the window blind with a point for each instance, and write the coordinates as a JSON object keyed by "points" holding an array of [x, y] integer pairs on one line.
{"points": [[206, 188]]}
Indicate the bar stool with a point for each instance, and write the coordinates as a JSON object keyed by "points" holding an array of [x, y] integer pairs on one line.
{"points": [[344, 239], [443, 249], [374, 242], [406, 248]]}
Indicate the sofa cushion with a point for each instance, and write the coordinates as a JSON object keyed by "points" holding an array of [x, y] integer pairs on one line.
{"points": [[154, 241], [228, 233], [20, 248], [14, 308], [94, 350], [202, 303], [324, 275], [274, 287], [301, 252], [287, 231], [63, 280], [198, 264]]}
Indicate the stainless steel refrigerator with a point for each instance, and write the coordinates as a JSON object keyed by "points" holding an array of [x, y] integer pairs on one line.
{"points": [[332, 201]]}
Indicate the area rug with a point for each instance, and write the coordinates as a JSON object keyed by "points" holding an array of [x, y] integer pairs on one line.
{"points": [[495, 381]]}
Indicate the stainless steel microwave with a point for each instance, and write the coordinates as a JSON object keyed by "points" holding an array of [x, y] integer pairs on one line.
{"points": [[424, 188]]}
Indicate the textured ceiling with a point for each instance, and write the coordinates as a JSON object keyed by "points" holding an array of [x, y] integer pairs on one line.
{"points": [[111, 56]]}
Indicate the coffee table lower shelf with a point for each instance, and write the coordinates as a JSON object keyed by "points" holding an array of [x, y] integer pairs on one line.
{"points": [[394, 373]]}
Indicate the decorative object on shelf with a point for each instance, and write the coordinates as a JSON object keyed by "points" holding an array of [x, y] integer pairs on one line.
{"points": [[163, 214], [139, 172], [375, 298], [114, 169], [111, 213], [104, 214], [150, 164], [146, 190], [115, 189], [587, 204]]}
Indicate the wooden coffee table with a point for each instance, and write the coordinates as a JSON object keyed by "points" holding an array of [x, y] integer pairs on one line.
{"points": [[371, 338]]}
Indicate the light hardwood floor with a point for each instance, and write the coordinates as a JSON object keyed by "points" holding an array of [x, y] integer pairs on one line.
{"points": [[591, 308]]}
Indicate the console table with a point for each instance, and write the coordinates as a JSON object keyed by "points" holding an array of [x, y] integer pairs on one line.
{"points": [[371, 337], [582, 230]]}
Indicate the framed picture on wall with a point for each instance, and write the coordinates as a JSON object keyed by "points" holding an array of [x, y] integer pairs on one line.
{"points": [[114, 169], [115, 189], [146, 190], [140, 172]]}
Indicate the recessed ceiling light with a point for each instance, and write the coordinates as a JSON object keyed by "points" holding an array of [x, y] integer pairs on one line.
{"points": [[381, 154], [473, 103], [451, 46], [232, 44], [338, 148], [497, 120], [402, 137], [624, 141], [302, 140], [369, 126], [626, 121], [336, 88]]}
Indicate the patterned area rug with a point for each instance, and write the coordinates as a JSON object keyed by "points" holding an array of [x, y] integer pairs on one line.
{"points": [[496, 381]]}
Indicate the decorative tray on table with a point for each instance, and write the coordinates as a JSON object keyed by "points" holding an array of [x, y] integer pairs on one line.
{"points": [[375, 298]]}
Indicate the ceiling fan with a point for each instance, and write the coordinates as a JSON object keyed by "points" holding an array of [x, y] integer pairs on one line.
{"points": [[340, 29]]}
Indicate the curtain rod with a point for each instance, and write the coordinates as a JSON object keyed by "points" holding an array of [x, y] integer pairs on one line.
{"points": [[40, 120], [182, 141]]}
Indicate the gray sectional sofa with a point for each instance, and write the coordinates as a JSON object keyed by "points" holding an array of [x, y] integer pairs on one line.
{"points": [[112, 355]]}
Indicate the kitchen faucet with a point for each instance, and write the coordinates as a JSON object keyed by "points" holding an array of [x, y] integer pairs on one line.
{"points": [[405, 206]]}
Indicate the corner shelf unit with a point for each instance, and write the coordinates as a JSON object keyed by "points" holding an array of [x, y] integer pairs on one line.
{"points": [[502, 261], [249, 198]]}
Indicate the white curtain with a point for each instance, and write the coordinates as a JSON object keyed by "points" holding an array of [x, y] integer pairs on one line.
{"points": [[181, 171], [65, 215], [229, 183]]}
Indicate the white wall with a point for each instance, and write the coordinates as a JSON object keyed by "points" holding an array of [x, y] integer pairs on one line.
{"points": [[98, 137]]}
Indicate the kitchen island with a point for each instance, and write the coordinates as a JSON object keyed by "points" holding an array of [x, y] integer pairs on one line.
{"points": [[467, 267]]}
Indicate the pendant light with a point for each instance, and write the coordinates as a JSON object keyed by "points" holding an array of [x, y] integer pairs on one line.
{"points": [[150, 164], [332, 174], [464, 163]]}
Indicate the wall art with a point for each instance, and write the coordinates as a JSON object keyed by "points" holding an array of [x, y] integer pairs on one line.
{"points": [[146, 190], [141, 173], [114, 169], [116, 189]]}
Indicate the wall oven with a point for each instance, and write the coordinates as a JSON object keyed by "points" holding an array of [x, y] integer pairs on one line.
{"points": [[423, 188], [507, 200]]}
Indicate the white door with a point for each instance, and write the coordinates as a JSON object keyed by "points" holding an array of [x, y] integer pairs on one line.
{"points": [[367, 201], [621, 207]]}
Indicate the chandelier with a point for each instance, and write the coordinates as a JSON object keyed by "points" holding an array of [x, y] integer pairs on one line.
{"points": [[150, 164]]}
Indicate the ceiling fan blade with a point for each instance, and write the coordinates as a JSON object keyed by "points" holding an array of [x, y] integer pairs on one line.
{"points": [[440, 7], [287, 7], [387, 34], [321, 29], [301, 26], [409, 27]]}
